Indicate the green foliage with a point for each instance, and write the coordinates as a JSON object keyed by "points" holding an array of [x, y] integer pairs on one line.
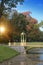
{"points": [[41, 24], [34, 33], [8, 4], [19, 21]]}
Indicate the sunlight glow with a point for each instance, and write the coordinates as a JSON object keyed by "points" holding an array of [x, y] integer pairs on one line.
{"points": [[2, 29]]}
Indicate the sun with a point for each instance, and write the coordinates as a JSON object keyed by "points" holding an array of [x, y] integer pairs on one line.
{"points": [[2, 29]]}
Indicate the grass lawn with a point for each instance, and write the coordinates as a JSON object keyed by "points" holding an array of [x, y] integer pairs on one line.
{"points": [[6, 53]]}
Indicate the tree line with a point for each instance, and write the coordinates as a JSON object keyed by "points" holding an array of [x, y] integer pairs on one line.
{"points": [[18, 23]]}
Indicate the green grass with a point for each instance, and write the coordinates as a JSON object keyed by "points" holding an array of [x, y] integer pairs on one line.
{"points": [[6, 53]]}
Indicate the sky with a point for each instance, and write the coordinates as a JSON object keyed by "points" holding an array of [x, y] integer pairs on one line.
{"points": [[34, 6]]}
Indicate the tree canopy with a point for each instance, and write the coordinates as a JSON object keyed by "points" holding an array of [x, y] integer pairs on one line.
{"points": [[6, 5], [17, 24]]}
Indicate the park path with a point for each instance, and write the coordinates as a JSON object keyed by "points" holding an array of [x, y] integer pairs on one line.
{"points": [[18, 60], [20, 49], [21, 59]]}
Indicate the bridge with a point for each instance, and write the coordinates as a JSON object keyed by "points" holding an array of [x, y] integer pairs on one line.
{"points": [[20, 46], [34, 45], [30, 44]]}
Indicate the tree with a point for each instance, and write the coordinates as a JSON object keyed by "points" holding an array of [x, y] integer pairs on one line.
{"points": [[34, 32], [40, 24], [19, 21], [4, 22], [18, 24], [6, 5]]}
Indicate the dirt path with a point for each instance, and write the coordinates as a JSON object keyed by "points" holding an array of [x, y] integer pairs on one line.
{"points": [[18, 60], [21, 59]]}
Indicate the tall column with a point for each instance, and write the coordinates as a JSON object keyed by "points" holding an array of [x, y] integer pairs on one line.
{"points": [[23, 39]]}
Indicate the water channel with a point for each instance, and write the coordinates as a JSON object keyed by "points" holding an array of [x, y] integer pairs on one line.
{"points": [[34, 57]]}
